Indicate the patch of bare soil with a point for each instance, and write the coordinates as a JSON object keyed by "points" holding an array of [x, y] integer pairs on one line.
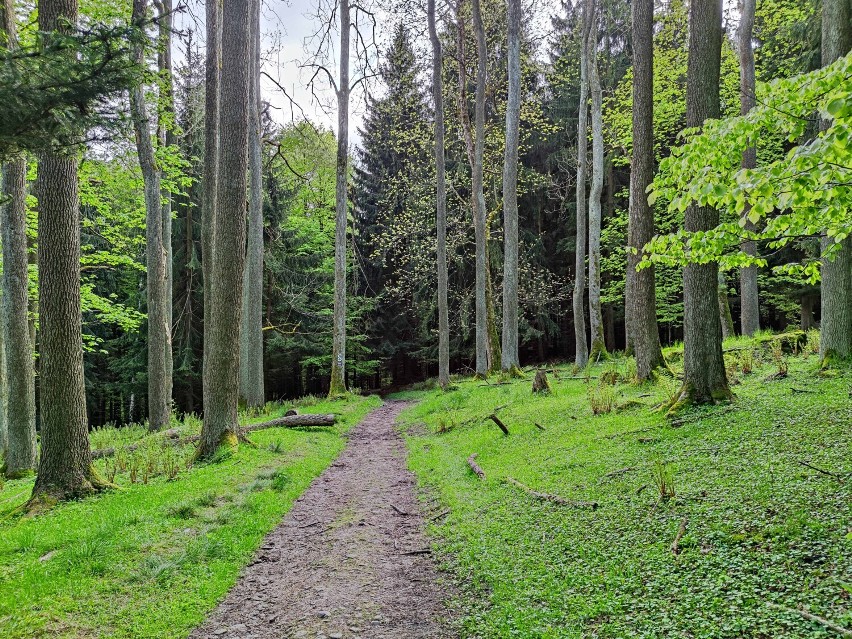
{"points": [[350, 559]]}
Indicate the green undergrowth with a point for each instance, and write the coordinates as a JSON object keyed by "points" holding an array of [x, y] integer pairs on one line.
{"points": [[765, 536], [152, 559]]}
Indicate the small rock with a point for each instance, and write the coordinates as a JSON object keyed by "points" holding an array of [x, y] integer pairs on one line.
{"points": [[323, 614], [240, 627], [220, 632], [300, 633], [47, 556], [335, 635]]}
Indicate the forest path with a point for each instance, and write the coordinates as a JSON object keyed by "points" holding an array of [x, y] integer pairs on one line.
{"points": [[337, 566]]}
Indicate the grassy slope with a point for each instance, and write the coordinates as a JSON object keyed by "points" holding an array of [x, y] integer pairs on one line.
{"points": [[151, 560], [760, 527]]}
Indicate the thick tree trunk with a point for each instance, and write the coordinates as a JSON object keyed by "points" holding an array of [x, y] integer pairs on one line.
{"points": [[4, 396], [725, 317], [251, 335], [211, 165], [65, 465], [641, 306], [704, 367], [483, 361], [598, 345], [581, 350], [749, 299], [166, 137], [806, 315], [337, 385], [509, 361], [441, 203], [221, 401], [159, 389], [19, 386], [836, 314]]}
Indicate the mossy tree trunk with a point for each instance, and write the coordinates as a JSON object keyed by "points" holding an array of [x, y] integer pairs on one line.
{"points": [[229, 236]]}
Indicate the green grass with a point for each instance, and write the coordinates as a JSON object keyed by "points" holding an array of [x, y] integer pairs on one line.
{"points": [[152, 559], [761, 528]]}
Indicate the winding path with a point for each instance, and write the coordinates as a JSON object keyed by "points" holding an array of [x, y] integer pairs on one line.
{"points": [[349, 560]]}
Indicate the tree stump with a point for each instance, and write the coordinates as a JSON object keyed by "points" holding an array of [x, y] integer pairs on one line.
{"points": [[540, 383]]}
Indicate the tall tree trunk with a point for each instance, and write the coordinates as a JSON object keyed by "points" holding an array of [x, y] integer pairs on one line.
{"points": [[229, 235], [65, 466], [581, 350], [836, 314], [17, 379], [641, 306], [251, 336], [159, 391], [210, 178], [704, 368], [20, 445], [725, 317], [749, 299], [598, 345], [337, 385], [441, 203], [166, 137], [510, 362]]}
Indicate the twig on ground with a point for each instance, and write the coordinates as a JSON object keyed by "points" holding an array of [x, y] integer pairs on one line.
{"points": [[499, 423], [843, 632], [556, 499], [681, 531], [400, 510], [837, 476], [471, 461], [421, 551], [620, 471]]}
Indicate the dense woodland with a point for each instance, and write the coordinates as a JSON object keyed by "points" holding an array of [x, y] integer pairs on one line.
{"points": [[639, 174]]}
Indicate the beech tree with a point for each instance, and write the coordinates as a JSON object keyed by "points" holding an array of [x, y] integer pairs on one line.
{"points": [[581, 348], [221, 396], [641, 294], [440, 201], [159, 322], [509, 360], [65, 465], [251, 334], [749, 300], [704, 367]]}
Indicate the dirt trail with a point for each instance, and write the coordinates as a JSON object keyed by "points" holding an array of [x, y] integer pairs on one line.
{"points": [[337, 567]]}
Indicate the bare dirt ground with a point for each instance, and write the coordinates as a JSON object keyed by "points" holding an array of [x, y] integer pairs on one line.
{"points": [[350, 560]]}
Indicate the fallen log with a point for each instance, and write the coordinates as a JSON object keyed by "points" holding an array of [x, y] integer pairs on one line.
{"points": [[555, 499], [499, 423], [172, 436], [471, 461]]}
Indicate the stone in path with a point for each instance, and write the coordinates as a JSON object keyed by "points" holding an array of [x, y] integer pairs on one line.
{"points": [[337, 566]]}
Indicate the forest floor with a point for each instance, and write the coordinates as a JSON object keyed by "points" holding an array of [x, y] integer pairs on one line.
{"points": [[349, 560], [150, 561], [728, 522]]}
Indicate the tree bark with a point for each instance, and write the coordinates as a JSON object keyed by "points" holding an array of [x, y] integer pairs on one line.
{"points": [[749, 298], [836, 313], [441, 203], [166, 137], [704, 368], [213, 27], [581, 350], [598, 343], [641, 307], [806, 315], [509, 360], [251, 335], [4, 395], [229, 238], [65, 465], [725, 317], [337, 385], [159, 391]]}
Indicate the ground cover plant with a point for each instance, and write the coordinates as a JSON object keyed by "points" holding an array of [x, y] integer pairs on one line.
{"points": [[725, 522], [151, 559]]}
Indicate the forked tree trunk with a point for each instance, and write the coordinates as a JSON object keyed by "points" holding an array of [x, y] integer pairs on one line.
{"points": [[159, 391], [210, 180], [749, 299], [65, 466], [836, 314], [509, 360], [221, 401], [251, 335], [441, 203], [641, 306], [581, 349], [598, 343], [17, 377], [704, 368], [337, 385]]}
